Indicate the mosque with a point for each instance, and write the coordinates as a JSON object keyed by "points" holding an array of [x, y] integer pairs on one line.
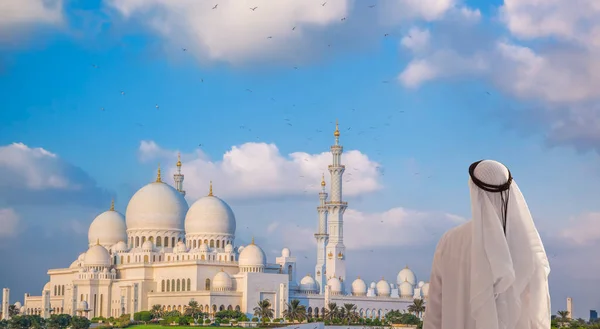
{"points": [[164, 252]]}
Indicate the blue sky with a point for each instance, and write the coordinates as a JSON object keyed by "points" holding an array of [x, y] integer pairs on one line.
{"points": [[466, 99]]}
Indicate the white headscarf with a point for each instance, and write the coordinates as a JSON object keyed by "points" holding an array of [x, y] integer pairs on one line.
{"points": [[509, 271]]}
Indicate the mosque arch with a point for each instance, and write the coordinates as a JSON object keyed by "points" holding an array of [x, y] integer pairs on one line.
{"points": [[162, 285], [207, 285], [137, 241], [214, 308], [212, 243], [194, 242], [205, 241], [237, 308], [232, 258], [221, 308], [172, 284], [166, 243], [145, 258], [143, 239], [202, 257], [229, 308], [189, 284], [158, 241], [309, 312], [173, 242], [201, 308], [316, 312], [218, 243], [151, 239]]}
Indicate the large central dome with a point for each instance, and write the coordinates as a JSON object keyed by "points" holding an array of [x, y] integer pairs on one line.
{"points": [[156, 206], [210, 215]]}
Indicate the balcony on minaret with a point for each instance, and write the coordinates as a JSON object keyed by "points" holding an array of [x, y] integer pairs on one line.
{"points": [[330, 255], [340, 255], [337, 203]]}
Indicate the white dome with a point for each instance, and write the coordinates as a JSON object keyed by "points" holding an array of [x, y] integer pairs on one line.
{"points": [[229, 248], [420, 284], [74, 264], [406, 289], [147, 246], [335, 286], [373, 285], [46, 287], [22, 310], [97, 256], [252, 255], [120, 246], [83, 305], [383, 288], [156, 206], [222, 281], [359, 287], [81, 257], [107, 229], [285, 252], [425, 290], [18, 305], [406, 274], [210, 215], [180, 247], [308, 284]]}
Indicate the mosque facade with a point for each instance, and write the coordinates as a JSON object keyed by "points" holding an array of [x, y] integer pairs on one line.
{"points": [[164, 252]]}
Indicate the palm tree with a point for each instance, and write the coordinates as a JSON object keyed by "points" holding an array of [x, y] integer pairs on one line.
{"points": [[193, 309], [332, 312], [417, 307], [349, 313], [156, 311], [263, 310], [13, 311], [295, 311], [563, 316]]}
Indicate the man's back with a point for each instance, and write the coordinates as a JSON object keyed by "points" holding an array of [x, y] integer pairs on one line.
{"points": [[452, 266]]}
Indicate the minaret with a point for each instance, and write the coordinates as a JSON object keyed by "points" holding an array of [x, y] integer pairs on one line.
{"points": [[178, 177], [336, 251], [321, 236]]}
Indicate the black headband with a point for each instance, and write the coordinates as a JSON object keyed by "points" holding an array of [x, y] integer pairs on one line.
{"points": [[489, 187]]}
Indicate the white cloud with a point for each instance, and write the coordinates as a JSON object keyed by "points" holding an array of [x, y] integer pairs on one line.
{"points": [[272, 227], [258, 169], [17, 13], [416, 39], [582, 230], [9, 222]]}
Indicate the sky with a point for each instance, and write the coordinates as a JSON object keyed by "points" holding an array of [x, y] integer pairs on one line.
{"points": [[96, 94]]}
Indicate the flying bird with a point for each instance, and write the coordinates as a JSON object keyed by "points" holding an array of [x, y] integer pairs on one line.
{"points": [[372, 6], [324, 3], [184, 49], [156, 106], [101, 109], [385, 35], [215, 7], [95, 66], [293, 28], [249, 90], [122, 92], [253, 9], [343, 19], [269, 37]]}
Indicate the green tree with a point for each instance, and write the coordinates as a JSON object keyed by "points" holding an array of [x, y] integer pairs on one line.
{"points": [[332, 312], [264, 310], [350, 314], [563, 316], [80, 322], [13, 311], [193, 310], [295, 311], [156, 311], [417, 307]]}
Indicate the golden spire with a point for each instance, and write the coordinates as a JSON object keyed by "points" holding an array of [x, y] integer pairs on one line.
{"points": [[323, 180], [336, 133], [178, 159], [97, 242], [158, 180], [210, 189], [406, 267], [358, 277], [112, 205], [252, 241]]}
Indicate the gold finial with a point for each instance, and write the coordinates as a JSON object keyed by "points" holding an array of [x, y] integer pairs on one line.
{"points": [[252, 241], [358, 277], [406, 267], [97, 242], [210, 189], [158, 180], [222, 270], [178, 159], [323, 180], [336, 133], [112, 205]]}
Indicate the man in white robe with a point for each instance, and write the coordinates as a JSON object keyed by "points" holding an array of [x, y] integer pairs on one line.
{"points": [[491, 272]]}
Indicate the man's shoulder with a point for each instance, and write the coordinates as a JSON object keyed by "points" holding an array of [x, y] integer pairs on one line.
{"points": [[458, 232]]}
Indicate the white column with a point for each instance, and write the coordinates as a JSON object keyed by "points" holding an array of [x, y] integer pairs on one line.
{"points": [[5, 303]]}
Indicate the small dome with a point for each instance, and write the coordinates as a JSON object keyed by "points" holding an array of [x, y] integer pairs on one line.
{"points": [[74, 264], [119, 247], [420, 284], [180, 247], [252, 255], [373, 285], [425, 290], [359, 287], [406, 289], [81, 257], [22, 310], [222, 281], [308, 284], [285, 252], [83, 305], [335, 286], [18, 305], [97, 256], [229, 248], [406, 274], [210, 215], [46, 287], [147, 246], [239, 249], [203, 247], [383, 288], [107, 229], [156, 206]]}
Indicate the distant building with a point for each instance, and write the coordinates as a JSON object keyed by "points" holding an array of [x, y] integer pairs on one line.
{"points": [[593, 316], [570, 307]]}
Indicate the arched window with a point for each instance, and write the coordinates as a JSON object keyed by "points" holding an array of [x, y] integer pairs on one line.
{"points": [[63, 290], [158, 241], [145, 258], [173, 242], [205, 241], [207, 284], [166, 242], [137, 241], [168, 285], [54, 290], [189, 284], [218, 244], [143, 239], [202, 257], [162, 286], [178, 285]]}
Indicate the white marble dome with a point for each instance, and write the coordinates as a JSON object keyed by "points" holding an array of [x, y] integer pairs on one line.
{"points": [[83, 305], [210, 215], [147, 246], [180, 248], [97, 256], [222, 281], [285, 252], [120, 246], [335, 286], [107, 229], [308, 284], [18, 305], [373, 285], [406, 289], [252, 256], [359, 287], [406, 274], [156, 206], [420, 284], [425, 289], [383, 288]]}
